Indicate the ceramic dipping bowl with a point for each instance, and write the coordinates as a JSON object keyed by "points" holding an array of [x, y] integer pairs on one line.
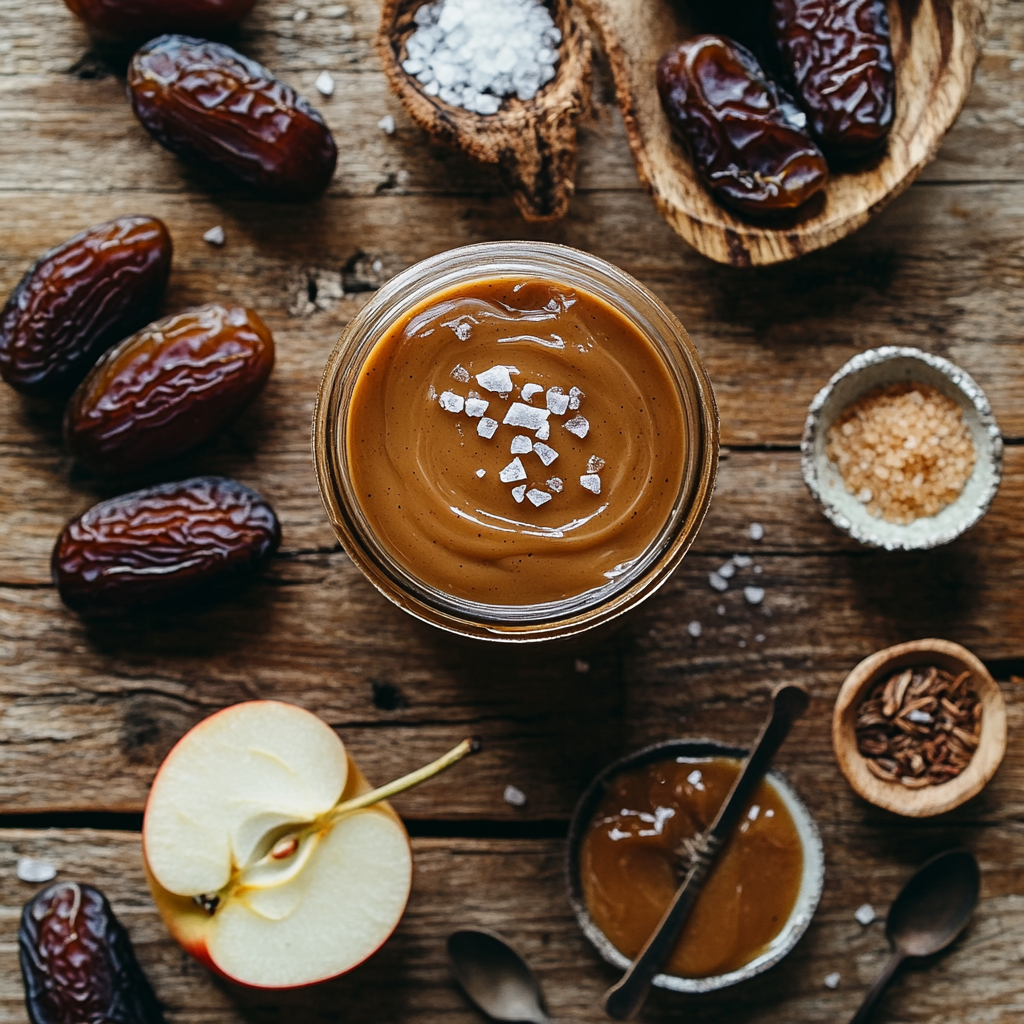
{"points": [[877, 368], [806, 901]]}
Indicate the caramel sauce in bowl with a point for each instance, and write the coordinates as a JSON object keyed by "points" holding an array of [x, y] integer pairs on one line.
{"points": [[515, 441], [627, 855]]}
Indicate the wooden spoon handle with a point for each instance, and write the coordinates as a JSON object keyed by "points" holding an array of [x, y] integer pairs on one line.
{"points": [[880, 985]]}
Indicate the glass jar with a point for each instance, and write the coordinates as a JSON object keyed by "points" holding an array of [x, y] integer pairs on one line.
{"points": [[574, 269]]}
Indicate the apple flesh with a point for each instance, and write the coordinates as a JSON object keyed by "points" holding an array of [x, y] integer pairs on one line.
{"points": [[250, 871]]}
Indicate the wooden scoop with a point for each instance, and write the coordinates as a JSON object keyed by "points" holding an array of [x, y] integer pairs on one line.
{"points": [[532, 142]]}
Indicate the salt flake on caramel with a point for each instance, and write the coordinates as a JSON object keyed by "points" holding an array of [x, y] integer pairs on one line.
{"points": [[452, 402], [512, 472], [497, 378]]}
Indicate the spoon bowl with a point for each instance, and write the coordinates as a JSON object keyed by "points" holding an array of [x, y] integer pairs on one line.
{"points": [[495, 977]]}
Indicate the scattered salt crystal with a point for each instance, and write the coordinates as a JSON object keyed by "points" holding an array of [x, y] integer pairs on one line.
{"points": [[543, 431], [758, 569], [387, 124], [865, 914], [544, 453], [486, 427], [742, 561], [324, 84], [538, 497], [515, 797], [481, 473], [574, 398], [921, 717], [512, 472], [460, 373], [29, 869], [521, 444], [452, 402], [832, 980], [582, 666], [742, 643], [592, 482], [477, 407], [578, 425], [720, 609], [520, 415], [727, 571], [555, 484], [756, 531], [518, 492], [595, 464], [431, 392], [557, 402], [694, 628], [696, 779], [754, 595], [497, 379], [215, 236], [529, 390], [759, 638], [717, 582]]}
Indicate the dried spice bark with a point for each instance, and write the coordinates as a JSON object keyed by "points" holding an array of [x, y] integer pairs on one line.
{"points": [[920, 727]]}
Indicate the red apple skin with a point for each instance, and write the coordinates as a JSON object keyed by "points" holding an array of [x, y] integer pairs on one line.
{"points": [[188, 923]]}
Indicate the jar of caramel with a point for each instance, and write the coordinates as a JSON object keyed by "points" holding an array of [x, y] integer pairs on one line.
{"points": [[515, 441]]}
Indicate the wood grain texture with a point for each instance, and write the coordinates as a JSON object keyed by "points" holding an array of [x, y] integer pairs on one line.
{"points": [[935, 48]]}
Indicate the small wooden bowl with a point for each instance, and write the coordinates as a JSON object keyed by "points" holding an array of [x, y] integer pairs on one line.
{"points": [[532, 142], [936, 45], [919, 803]]}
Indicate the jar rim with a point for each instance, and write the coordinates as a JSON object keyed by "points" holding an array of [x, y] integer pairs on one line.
{"points": [[494, 261]]}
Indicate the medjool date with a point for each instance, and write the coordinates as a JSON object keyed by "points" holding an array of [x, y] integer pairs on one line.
{"points": [[205, 101], [78, 963], [144, 19], [840, 58], [163, 542], [745, 135], [167, 388], [80, 298]]}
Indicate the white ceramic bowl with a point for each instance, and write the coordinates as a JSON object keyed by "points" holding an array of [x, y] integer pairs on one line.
{"points": [[810, 885], [889, 365]]}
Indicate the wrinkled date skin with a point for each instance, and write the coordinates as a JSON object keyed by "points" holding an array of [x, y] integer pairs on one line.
{"points": [[160, 543], [144, 19], [167, 388], [204, 101], [80, 298], [745, 136], [78, 963], [840, 58]]}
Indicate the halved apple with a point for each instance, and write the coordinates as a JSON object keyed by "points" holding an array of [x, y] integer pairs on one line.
{"points": [[256, 861]]}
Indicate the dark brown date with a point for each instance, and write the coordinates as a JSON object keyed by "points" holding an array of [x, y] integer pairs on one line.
{"points": [[144, 19], [840, 59], [206, 102], [167, 388], [78, 963], [745, 135], [163, 542], [80, 298]]}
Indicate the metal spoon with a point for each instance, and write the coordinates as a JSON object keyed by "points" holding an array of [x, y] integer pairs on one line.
{"points": [[624, 999], [495, 977], [932, 909]]}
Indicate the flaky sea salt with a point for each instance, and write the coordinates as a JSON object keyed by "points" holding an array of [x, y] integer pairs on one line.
{"points": [[460, 373], [486, 427], [30, 869], [512, 472], [520, 415], [754, 595], [756, 531], [578, 425], [518, 492], [521, 444], [543, 431], [537, 497], [452, 402], [555, 484], [497, 379], [514, 796], [592, 482], [324, 83], [215, 236], [727, 571], [574, 398], [694, 629], [720, 609], [595, 464], [557, 402], [831, 980], [529, 390], [474, 53], [544, 453], [387, 124], [481, 473], [865, 914], [742, 561], [717, 582], [476, 407]]}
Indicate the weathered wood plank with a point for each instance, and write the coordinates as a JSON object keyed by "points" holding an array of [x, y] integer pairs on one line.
{"points": [[516, 887]]}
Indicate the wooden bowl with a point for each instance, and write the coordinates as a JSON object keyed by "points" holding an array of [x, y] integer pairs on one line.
{"points": [[532, 142], [892, 796], [936, 45]]}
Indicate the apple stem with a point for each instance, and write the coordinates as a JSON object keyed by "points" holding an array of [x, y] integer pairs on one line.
{"points": [[468, 746]]}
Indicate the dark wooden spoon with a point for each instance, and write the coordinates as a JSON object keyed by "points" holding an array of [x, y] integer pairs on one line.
{"points": [[932, 909]]}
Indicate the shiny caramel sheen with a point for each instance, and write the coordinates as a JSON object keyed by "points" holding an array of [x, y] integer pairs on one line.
{"points": [[413, 465], [633, 857]]}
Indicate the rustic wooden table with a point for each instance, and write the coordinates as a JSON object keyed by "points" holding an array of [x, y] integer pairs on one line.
{"points": [[87, 711]]}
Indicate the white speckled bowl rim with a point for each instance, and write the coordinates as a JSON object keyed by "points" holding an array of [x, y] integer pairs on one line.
{"points": [[889, 365], [811, 885]]}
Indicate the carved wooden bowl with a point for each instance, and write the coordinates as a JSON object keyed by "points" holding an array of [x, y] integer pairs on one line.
{"points": [[936, 45], [532, 142]]}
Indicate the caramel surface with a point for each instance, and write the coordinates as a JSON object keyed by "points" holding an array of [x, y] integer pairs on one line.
{"points": [[633, 857], [415, 465]]}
